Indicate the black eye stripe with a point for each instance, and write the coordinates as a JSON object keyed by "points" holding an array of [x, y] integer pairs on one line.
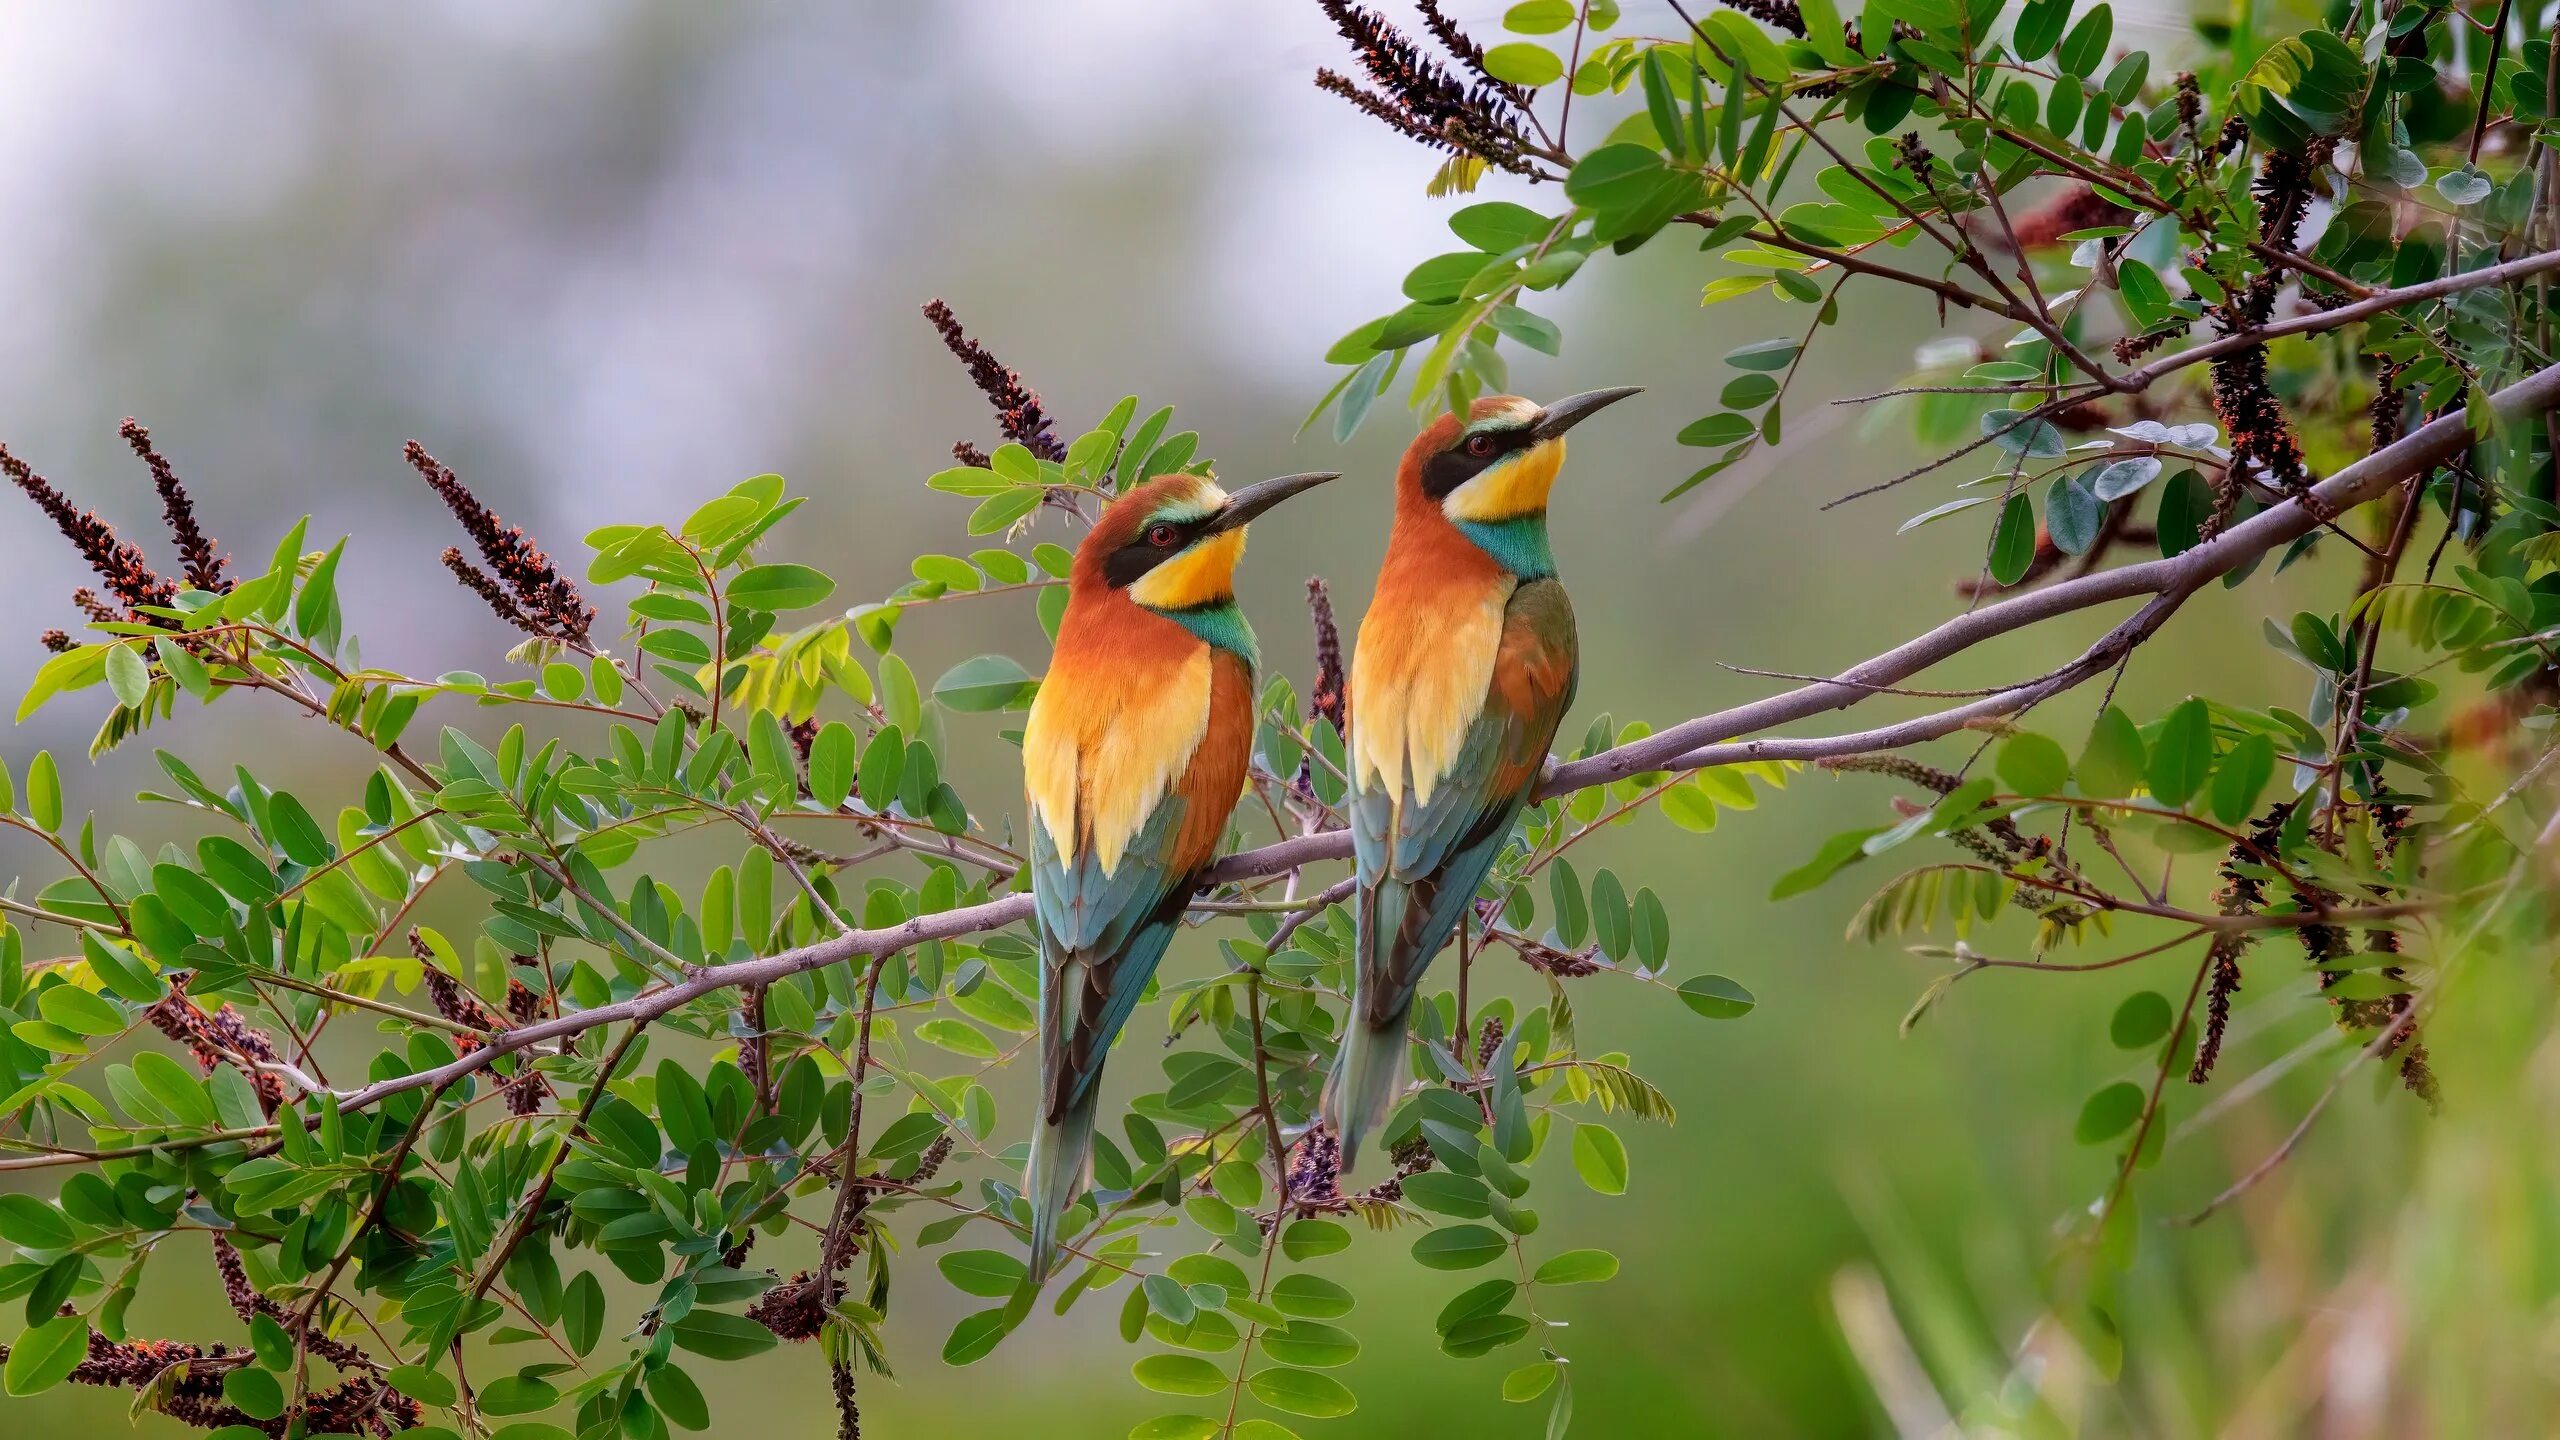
{"points": [[1130, 563], [1458, 464]]}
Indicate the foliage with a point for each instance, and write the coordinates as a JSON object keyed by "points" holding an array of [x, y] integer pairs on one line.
{"points": [[2296, 253], [601, 1071]]}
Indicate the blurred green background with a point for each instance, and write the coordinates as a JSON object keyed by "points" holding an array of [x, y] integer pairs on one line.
{"points": [[605, 259]]}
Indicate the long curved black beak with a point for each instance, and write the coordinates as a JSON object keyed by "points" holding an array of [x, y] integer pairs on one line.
{"points": [[1572, 410], [1253, 499]]}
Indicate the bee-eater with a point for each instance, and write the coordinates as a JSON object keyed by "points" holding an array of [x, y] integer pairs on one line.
{"points": [[1465, 665], [1134, 756]]}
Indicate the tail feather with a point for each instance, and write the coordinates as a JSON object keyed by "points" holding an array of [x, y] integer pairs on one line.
{"points": [[1387, 966], [1061, 1165], [1365, 1079]]}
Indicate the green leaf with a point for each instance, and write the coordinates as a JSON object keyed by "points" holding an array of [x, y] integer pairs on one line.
{"points": [[1523, 64], [1763, 355], [2072, 515], [1941, 512], [1167, 1297], [2186, 502], [1716, 997], [127, 676], [2242, 776], [170, 1084], [2112, 762], [256, 1393], [518, 1395], [422, 1384], [2109, 1113], [1532, 1380], [296, 833], [1578, 1267], [2141, 1020], [1302, 1392], [1652, 929], [1459, 1247], [1600, 1157], [78, 1011], [2032, 764], [1572, 915], [44, 792], [976, 1336], [1460, 1197], [1538, 17], [46, 1355], [679, 1399], [1615, 177], [780, 587], [2013, 541], [833, 758], [2182, 754], [120, 970], [2086, 45], [1721, 428], [1311, 1343], [716, 1335], [1611, 917], [1494, 226], [2039, 26], [1308, 1239], [988, 1274], [1311, 1296], [582, 1306], [1180, 1375], [983, 683], [30, 1222]]}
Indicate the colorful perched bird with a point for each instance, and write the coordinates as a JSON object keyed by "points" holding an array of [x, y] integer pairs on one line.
{"points": [[1466, 663], [1134, 755]]}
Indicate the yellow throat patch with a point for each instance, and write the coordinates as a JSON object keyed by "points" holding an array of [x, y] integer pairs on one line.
{"points": [[1515, 486], [1201, 575]]}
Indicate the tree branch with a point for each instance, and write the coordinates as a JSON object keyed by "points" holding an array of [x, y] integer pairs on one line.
{"points": [[1692, 744]]}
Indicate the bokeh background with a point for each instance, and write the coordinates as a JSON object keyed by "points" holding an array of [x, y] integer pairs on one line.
{"points": [[608, 258]]}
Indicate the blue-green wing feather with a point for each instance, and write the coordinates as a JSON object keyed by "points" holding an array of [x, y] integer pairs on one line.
{"points": [[1101, 936]]}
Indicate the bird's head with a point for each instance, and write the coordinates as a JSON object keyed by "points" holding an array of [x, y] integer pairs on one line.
{"points": [[1172, 543], [1500, 461]]}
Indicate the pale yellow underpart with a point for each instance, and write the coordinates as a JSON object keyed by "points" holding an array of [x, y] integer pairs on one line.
{"points": [[1198, 576], [1096, 766], [1413, 697], [1517, 486]]}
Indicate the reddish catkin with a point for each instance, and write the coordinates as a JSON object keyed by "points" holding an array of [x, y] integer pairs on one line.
{"points": [[128, 576], [526, 1088], [546, 603], [1417, 96], [1315, 1169], [491, 593], [204, 568], [223, 1038], [1018, 411], [1464, 47], [2242, 894], [2079, 207], [791, 1310]]}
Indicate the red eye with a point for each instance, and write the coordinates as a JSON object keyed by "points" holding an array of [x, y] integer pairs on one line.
{"points": [[1163, 536], [1480, 445]]}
